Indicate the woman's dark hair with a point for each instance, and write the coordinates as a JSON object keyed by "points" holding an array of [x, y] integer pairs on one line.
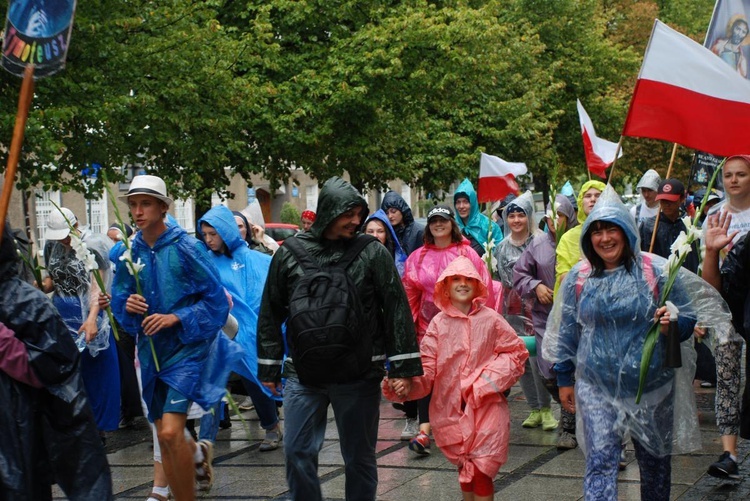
{"points": [[388, 238], [597, 263], [456, 236]]}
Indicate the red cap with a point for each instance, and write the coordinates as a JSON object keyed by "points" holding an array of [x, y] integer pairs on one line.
{"points": [[309, 215], [670, 189]]}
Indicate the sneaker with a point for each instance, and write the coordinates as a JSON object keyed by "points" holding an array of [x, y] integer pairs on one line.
{"points": [[126, 422], [549, 422], [420, 444], [566, 441], [725, 467], [707, 384], [246, 405], [623, 463], [204, 471], [156, 497], [272, 439], [534, 420], [411, 429]]}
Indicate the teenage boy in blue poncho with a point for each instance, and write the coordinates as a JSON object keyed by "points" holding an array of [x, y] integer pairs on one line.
{"points": [[181, 310], [243, 274]]}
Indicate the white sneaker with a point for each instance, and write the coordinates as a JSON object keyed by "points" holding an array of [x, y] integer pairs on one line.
{"points": [[411, 429], [246, 405]]}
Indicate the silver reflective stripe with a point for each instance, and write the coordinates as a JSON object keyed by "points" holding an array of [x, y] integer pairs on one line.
{"points": [[492, 383], [406, 356], [378, 358], [268, 361]]}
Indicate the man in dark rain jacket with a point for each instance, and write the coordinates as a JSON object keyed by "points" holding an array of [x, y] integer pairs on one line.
{"points": [[410, 233], [341, 210], [48, 429]]}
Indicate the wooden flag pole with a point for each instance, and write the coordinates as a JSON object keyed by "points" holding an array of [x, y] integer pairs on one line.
{"points": [[658, 214], [24, 103], [617, 153]]}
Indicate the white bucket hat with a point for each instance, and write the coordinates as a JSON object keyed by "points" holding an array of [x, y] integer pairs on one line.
{"points": [[148, 185], [57, 226]]}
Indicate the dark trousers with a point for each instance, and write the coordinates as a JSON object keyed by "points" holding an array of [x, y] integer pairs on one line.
{"points": [[130, 396]]}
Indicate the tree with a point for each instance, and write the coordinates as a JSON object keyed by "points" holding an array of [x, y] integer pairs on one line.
{"points": [[415, 89], [147, 84]]}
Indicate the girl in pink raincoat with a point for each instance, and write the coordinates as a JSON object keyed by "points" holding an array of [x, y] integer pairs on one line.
{"points": [[470, 356]]}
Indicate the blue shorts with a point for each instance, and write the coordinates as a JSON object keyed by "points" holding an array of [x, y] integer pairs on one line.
{"points": [[167, 399]]}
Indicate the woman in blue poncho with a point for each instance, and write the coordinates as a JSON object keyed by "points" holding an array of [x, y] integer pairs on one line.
{"points": [[474, 225], [243, 273], [595, 335]]}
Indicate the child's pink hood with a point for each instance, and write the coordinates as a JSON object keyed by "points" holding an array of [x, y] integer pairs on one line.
{"points": [[464, 267]]}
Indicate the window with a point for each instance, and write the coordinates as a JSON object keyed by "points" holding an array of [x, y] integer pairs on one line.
{"points": [[97, 214], [406, 193], [217, 200], [44, 207], [311, 197], [184, 213]]}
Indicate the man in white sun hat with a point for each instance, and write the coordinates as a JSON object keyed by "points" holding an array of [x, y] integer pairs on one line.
{"points": [[181, 310]]}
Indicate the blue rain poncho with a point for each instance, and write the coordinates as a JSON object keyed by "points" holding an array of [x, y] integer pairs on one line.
{"points": [[597, 329], [243, 273], [399, 256], [178, 278], [477, 224]]}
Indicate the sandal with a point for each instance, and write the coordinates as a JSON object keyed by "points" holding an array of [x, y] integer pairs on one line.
{"points": [[157, 497], [206, 479]]}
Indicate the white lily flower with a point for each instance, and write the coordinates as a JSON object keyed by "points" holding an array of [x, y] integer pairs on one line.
{"points": [[672, 261], [679, 243], [695, 233], [126, 256], [135, 267]]}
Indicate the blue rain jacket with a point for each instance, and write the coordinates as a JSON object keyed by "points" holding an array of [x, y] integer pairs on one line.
{"points": [[178, 278], [243, 273], [399, 256], [476, 224]]}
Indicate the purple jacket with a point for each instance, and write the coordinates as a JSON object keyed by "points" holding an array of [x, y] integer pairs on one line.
{"points": [[537, 265]]}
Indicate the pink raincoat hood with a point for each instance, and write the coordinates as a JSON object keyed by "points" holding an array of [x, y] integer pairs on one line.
{"points": [[464, 267]]}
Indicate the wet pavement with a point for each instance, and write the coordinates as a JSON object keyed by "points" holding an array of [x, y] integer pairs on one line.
{"points": [[535, 470]]}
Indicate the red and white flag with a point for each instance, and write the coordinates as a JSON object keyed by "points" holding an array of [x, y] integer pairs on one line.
{"points": [[600, 153], [687, 95], [497, 178]]}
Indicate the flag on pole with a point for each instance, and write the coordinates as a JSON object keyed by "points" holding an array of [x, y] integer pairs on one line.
{"points": [[497, 178], [687, 95], [600, 153]]}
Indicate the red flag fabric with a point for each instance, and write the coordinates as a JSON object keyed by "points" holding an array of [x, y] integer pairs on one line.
{"points": [[497, 178], [600, 153], [687, 95]]}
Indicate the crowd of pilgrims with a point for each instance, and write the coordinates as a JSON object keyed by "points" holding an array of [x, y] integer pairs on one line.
{"points": [[580, 284]]}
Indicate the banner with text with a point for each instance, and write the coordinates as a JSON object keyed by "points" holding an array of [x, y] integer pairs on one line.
{"points": [[37, 32]]}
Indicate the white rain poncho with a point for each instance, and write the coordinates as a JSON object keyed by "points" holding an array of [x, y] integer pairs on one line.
{"points": [[598, 326], [72, 295]]}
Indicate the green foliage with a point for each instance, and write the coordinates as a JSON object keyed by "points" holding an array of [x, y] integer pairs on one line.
{"points": [[198, 91], [289, 214]]}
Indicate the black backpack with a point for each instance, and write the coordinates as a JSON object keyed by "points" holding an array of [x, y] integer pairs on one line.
{"points": [[328, 333]]}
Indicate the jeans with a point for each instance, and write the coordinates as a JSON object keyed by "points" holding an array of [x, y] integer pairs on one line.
{"points": [[265, 406], [356, 409], [603, 445]]}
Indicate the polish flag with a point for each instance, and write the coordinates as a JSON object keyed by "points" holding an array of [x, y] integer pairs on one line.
{"points": [[497, 178], [687, 95], [600, 153]]}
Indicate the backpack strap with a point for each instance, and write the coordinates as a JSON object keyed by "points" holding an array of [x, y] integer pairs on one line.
{"points": [[360, 242], [301, 255]]}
